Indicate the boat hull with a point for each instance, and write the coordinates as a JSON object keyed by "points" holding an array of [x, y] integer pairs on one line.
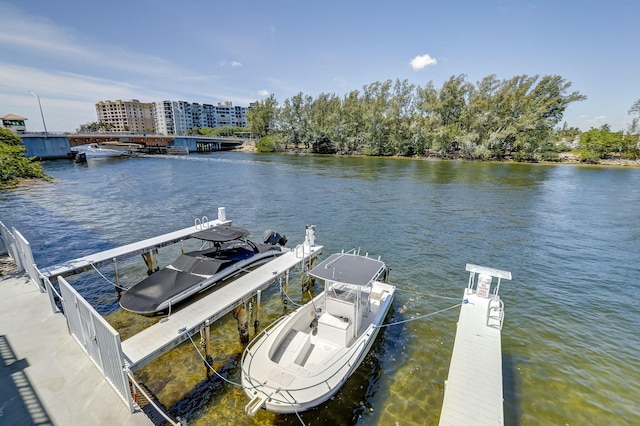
{"points": [[290, 369]]}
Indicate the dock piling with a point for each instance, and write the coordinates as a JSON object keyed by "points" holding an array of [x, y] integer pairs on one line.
{"points": [[150, 260], [256, 323], [240, 314]]}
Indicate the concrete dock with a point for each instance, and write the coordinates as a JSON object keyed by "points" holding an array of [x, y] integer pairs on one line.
{"points": [[45, 377]]}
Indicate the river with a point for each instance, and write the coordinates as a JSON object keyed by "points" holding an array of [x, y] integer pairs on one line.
{"points": [[570, 235]]}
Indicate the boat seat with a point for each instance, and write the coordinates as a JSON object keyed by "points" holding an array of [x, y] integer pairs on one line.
{"points": [[340, 308], [334, 330], [197, 265]]}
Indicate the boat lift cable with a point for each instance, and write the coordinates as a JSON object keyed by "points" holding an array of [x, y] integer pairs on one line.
{"points": [[418, 317], [209, 365], [107, 279]]}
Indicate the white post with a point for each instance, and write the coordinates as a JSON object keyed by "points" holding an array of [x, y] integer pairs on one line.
{"points": [[41, 114]]}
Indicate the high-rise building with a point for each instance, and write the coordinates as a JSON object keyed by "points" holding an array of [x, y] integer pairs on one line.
{"points": [[126, 116], [170, 117]]}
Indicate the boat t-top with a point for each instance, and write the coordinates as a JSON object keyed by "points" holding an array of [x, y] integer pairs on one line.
{"points": [[304, 358], [230, 253]]}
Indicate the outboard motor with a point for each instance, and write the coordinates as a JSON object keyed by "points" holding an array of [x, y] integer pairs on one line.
{"points": [[272, 237]]}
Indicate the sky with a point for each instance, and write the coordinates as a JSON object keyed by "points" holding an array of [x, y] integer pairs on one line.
{"points": [[72, 54]]}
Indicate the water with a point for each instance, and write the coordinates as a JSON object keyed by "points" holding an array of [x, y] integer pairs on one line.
{"points": [[569, 234]]}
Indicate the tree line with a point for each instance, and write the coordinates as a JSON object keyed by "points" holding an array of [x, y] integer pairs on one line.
{"points": [[516, 118]]}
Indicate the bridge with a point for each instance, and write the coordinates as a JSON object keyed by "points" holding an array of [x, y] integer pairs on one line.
{"points": [[52, 146]]}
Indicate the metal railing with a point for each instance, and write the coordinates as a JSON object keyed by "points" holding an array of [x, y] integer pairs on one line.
{"points": [[100, 341]]}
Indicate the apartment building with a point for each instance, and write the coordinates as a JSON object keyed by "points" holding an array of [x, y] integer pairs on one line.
{"points": [[126, 116], [181, 117], [169, 117]]}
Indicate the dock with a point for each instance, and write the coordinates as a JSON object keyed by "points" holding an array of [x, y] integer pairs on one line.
{"points": [[98, 343], [156, 340], [45, 376], [473, 390], [147, 246]]}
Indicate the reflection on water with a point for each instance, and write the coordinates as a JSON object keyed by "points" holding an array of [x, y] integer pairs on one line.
{"points": [[569, 235]]}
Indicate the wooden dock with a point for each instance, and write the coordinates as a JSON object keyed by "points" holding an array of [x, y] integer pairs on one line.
{"points": [[473, 391], [156, 340]]}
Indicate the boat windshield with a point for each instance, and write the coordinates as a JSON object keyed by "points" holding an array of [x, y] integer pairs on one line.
{"points": [[342, 291]]}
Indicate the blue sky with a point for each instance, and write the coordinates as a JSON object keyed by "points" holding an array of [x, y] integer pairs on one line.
{"points": [[74, 54]]}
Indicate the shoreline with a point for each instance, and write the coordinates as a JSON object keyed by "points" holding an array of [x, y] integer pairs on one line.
{"points": [[564, 158]]}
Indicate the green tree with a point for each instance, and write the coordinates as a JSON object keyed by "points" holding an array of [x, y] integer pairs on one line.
{"points": [[597, 144], [326, 124], [294, 120], [261, 118], [634, 127], [96, 126], [13, 164]]}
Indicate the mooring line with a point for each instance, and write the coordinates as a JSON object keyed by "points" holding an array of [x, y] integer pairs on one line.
{"points": [[107, 279], [209, 365], [419, 317]]}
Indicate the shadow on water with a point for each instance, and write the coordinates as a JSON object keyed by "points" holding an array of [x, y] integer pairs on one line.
{"points": [[19, 402], [512, 411]]}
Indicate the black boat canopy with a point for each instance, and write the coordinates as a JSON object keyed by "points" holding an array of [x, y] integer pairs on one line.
{"points": [[349, 269], [221, 234]]}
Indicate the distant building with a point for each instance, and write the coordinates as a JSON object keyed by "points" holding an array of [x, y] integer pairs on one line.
{"points": [[13, 122], [181, 117], [126, 116]]}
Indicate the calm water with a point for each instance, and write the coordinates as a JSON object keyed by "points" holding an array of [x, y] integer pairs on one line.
{"points": [[569, 234]]}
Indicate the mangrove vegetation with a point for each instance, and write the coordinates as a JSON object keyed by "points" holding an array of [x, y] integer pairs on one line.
{"points": [[494, 119]]}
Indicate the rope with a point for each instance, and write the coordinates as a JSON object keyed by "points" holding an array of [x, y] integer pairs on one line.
{"points": [[153, 404], [229, 381], [419, 317], [404, 290], [294, 410], [107, 279], [287, 296], [209, 365]]}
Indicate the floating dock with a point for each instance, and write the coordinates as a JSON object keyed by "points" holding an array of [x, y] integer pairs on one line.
{"points": [[156, 340], [473, 391]]}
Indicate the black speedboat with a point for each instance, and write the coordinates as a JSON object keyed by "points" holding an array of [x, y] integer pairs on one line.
{"points": [[191, 273]]}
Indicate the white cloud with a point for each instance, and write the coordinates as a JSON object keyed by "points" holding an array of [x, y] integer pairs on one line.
{"points": [[423, 61], [263, 93], [236, 64]]}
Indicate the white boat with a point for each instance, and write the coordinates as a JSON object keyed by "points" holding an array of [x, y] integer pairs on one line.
{"points": [[94, 150], [304, 358]]}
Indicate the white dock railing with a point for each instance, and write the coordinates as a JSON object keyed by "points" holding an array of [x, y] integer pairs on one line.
{"points": [[100, 341], [19, 249]]}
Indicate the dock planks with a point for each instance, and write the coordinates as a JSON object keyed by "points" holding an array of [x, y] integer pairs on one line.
{"points": [[149, 344], [97, 259], [473, 390]]}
